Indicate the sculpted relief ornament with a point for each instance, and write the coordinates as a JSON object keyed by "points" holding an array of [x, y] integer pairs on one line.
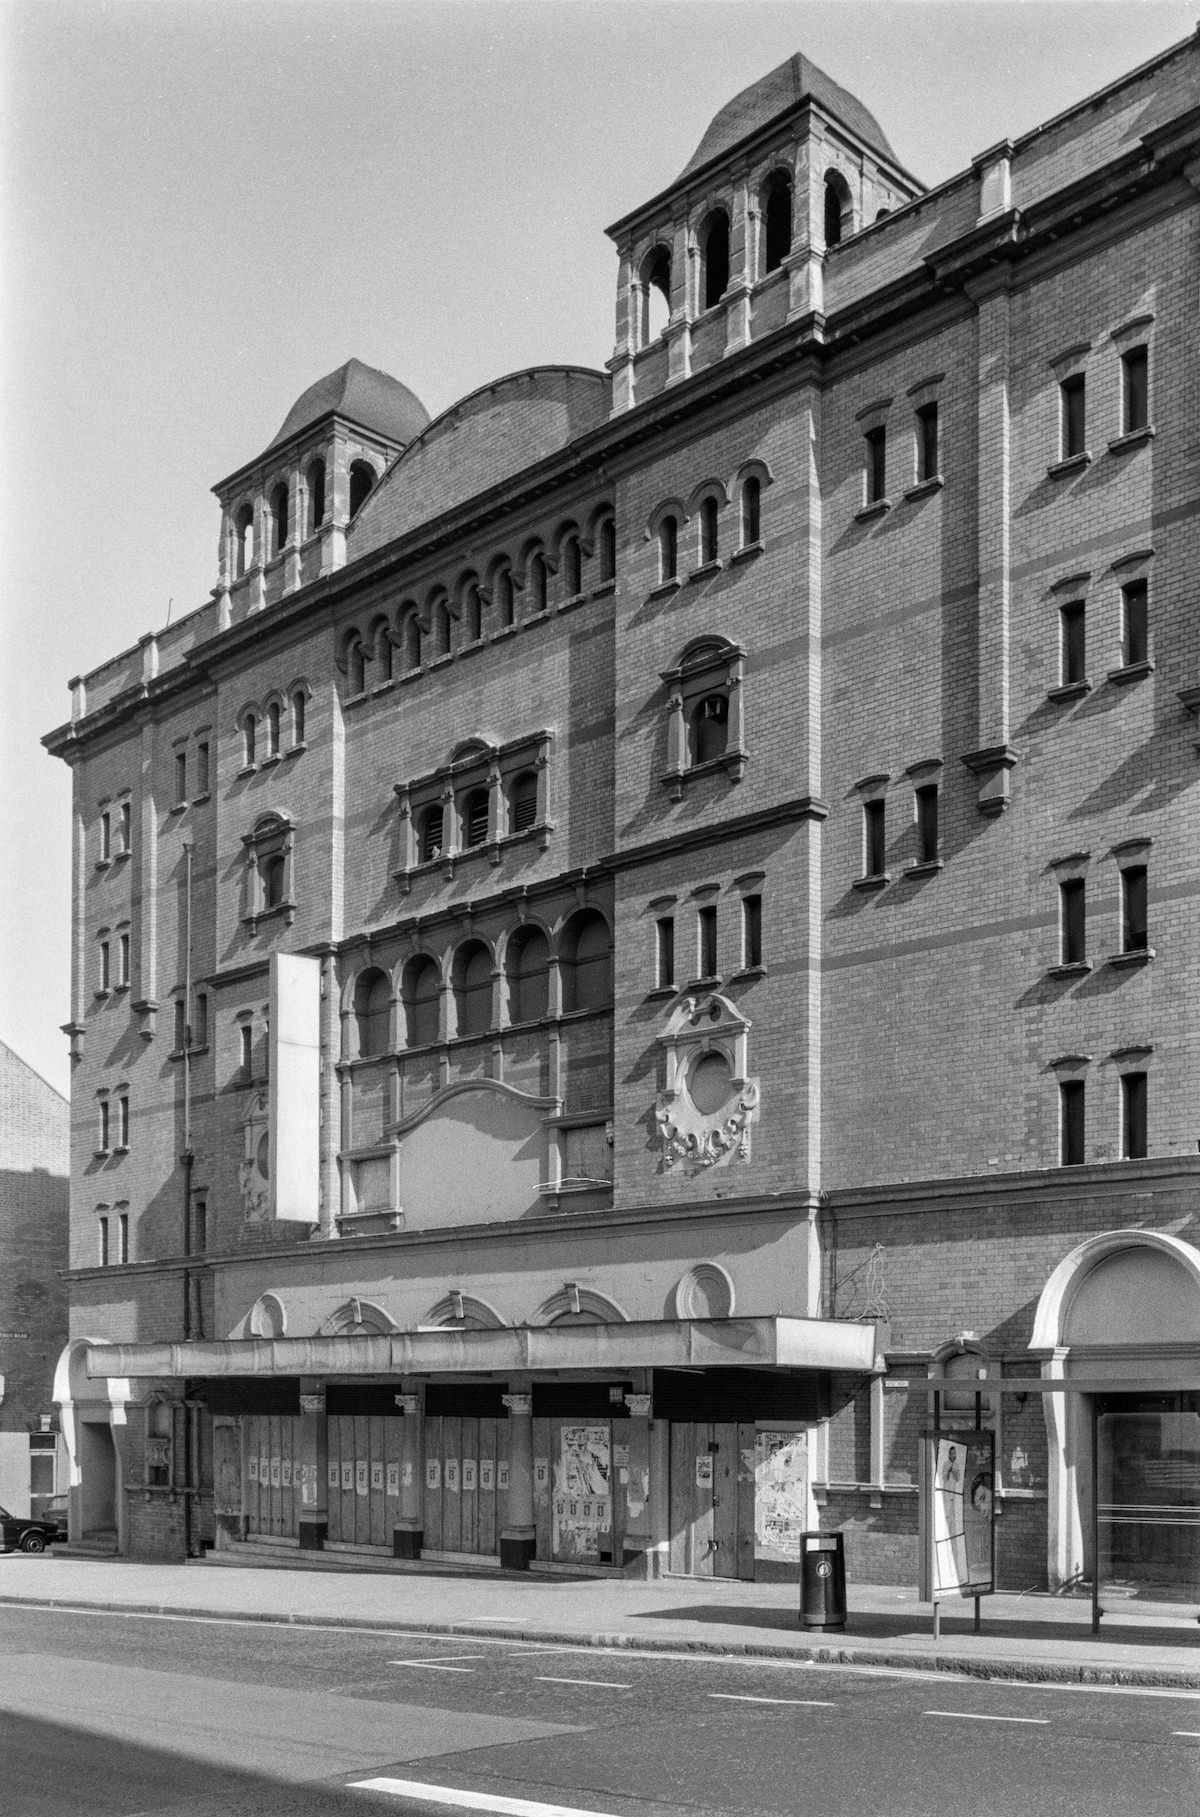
{"points": [[253, 1173], [709, 1105]]}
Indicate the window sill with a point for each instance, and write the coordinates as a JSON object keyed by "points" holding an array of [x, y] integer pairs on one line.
{"points": [[748, 971], [504, 631], [120, 989], [877, 508], [1074, 463], [268, 763], [572, 600], [705, 569], [121, 1148], [100, 995], [878, 880], [711, 982], [1130, 671], [924, 487], [120, 857], [665, 588], [297, 750], [491, 848], [1136, 955], [248, 769], [102, 864], [746, 553], [662, 992], [381, 687], [538, 618], [732, 762], [177, 807], [439, 662], [1070, 690], [470, 649], [1133, 438], [927, 867], [605, 588], [1072, 968], [199, 800], [100, 1154]]}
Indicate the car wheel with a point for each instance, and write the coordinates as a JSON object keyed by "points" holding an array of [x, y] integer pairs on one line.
{"points": [[33, 1542]]}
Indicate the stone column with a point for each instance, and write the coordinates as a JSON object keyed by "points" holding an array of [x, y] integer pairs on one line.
{"points": [[660, 1487], [517, 1537], [312, 1517], [408, 1534], [639, 1539]]}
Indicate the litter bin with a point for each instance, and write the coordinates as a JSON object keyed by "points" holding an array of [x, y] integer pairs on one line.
{"points": [[822, 1581]]}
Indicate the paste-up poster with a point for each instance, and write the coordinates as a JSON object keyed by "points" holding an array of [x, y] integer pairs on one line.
{"points": [[393, 1479], [308, 1484], [780, 1495], [582, 1499], [960, 1473]]}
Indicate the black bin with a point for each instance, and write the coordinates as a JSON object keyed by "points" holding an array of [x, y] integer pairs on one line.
{"points": [[822, 1581]]}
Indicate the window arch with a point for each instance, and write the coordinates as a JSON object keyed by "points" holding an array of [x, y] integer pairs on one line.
{"points": [[373, 1012], [443, 628], [314, 483], [471, 978], [412, 639], [362, 481], [421, 992], [383, 650], [572, 558], [539, 584], [586, 962], [527, 970], [243, 541], [279, 518], [654, 294], [839, 208], [502, 588], [274, 718], [776, 205], [714, 258], [356, 667], [705, 712], [472, 612]]}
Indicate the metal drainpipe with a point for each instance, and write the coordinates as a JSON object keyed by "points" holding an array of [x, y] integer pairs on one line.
{"points": [[186, 1161]]}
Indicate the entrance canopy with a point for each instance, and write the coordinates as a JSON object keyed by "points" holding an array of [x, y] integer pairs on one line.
{"points": [[767, 1342]]}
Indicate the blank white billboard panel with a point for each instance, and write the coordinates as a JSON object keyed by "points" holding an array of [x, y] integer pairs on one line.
{"points": [[295, 1087]]}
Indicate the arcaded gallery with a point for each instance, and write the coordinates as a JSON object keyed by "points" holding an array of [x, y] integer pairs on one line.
{"points": [[641, 948]]}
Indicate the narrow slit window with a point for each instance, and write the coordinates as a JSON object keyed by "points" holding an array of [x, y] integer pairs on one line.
{"points": [[664, 932], [180, 776], [1133, 1116], [608, 550], [668, 549], [1074, 416], [123, 1237], [874, 839], [1073, 643], [202, 772], [476, 818], [246, 1050], [751, 512], [523, 804], [103, 1243], [105, 966], [200, 1029], [105, 836], [273, 729], [573, 565], [927, 823], [752, 932], [708, 531], [1072, 1127], [1135, 622], [1072, 900], [876, 464], [299, 715], [1135, 390], [200, 1226], [123, 960], [126, 826], [123, 1122], [105, 1125], [1134, 921], [706, 940], [180, 1025], [928, 452]]}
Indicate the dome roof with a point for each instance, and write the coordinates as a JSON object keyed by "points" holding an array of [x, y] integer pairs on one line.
{"points": [[484, 439], [794, 81], [368, 397]]}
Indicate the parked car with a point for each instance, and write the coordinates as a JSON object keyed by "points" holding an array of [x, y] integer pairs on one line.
{"points": [[27, 1533]]}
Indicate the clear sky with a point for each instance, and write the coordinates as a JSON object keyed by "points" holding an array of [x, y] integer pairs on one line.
{"points": [[208, 204]]}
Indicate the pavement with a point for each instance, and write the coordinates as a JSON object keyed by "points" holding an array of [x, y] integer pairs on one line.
{"points": [[1030, 1637]]}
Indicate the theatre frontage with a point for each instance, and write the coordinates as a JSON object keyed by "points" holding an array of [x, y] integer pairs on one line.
{"points": [[689, 1445]]}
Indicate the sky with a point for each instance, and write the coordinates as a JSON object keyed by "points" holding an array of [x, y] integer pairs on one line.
{"points": [[205, 205]]}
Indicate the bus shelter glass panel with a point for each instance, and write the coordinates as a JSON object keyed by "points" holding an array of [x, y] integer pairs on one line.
{"points": [[1147, 1506]]}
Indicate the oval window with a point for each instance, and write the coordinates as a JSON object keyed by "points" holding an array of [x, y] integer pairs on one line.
{"points": [[709, 1083]]}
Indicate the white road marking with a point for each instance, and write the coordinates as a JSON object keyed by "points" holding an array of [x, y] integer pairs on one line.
{"points": [[605, 1684], [976, 1716], [813, 1703], [471, 1801], [437, 1665], [1188, 1734]]}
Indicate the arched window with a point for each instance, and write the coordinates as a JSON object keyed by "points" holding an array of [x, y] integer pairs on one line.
{"points": [[443, 629], [586, 963], [475, 818], [421, 991], [431, 834], [385, 653], [279, 519], [504, 598], [751, 510], [249, 741], [473, 612], [608, 549], [777, 220], [372, 1011], [654, 287], [273, 729], [362, 479], [412, 641], [523, 802], [573, 566], [668, 548], [356, 660], [299, 714], [538, 587], [273, 871], [315, 487], [714, 254], [472, 979], [708, 530], [243, 541], [527, 964], [839, 211], [708, 728]]}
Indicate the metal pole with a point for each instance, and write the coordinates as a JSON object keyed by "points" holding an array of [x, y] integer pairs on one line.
{"points": [[186, 1159]]}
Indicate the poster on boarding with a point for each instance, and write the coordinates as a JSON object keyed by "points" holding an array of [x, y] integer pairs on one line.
{"points": [[957, 1514]]}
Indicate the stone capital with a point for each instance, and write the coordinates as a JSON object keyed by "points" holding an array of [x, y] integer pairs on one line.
{"points": [[518, 1404]]}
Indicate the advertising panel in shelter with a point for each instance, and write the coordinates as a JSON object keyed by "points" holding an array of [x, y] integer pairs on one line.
{"points": [[958, 1476]]}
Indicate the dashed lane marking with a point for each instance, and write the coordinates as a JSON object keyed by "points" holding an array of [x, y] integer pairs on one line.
{"points": [[438, 1665], [1188, 1734], [471, 1801], [812, 1703], [604, 1684], [1040, 1722]]}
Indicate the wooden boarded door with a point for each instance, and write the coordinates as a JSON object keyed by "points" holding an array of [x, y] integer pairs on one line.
{"points": [[270, 1444], [466, 1483], [712, 1529]]}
